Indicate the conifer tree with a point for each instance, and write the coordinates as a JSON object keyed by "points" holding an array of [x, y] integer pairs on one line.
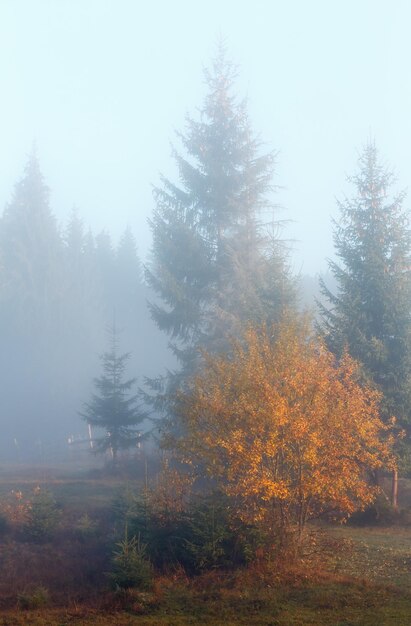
{"points": [[105, 259], [85, 315], [75, 239], [31, 257], [112, 408], [129, 293], [77, 292], [33, 318], [214, 265], [370, 313], [127, 259]]}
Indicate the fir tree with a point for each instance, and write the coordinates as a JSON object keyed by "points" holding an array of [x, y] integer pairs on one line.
{"points": [[77, 294], [32, 312], [112, 408], [214, 265], [85, 312], [75, 239], [127, 259], [129, 293], [31, 257], [370, 313], [105, 261]]}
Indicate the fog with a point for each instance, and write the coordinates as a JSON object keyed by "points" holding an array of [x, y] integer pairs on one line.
{"points": [[61, 291], [92, 94]]}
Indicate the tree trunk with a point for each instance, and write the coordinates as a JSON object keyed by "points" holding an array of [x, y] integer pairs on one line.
{"points": [[394, 489]]}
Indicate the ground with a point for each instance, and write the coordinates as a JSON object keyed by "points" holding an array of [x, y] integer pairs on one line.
{"points": [[352, 576]]}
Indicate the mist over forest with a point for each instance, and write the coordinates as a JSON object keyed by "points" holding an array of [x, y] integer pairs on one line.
{"points": [[63, 280], [62, 287], [205, 312]]}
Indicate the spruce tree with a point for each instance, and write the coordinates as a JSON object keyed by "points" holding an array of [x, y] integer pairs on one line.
{"points": [[77, 279], [31, 254], [215, 266], [113, 408], [34, 330], [129, 293], [105, 259], [85, 313], [370, 313], [74, 239]]}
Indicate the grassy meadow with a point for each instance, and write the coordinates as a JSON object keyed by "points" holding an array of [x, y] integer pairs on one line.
{"points": [[349, 575]]}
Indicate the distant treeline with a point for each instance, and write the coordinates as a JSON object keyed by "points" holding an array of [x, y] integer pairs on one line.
{"points": [[59, 288]]}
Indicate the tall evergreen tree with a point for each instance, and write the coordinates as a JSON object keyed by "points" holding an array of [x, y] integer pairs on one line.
{"points": [[84, 312], [128, 288], [105, 259], [370, 313], [77, 292], [214, 265], [33, 320], [75, 239], [31, 257]]}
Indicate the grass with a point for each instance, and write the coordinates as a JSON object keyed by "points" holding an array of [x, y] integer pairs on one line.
{"points": [[335, 603], [354, 576], [379, 555], [73, 493]]}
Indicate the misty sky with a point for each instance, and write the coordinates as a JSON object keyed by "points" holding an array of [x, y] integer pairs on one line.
{"points": [[100, 85]]}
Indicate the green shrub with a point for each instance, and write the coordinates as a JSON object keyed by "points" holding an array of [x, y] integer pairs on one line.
{"points": [[217, 538], [42, 516], [85, 528], [130, 565], [34, 599], [205, 535], [162, 529]]}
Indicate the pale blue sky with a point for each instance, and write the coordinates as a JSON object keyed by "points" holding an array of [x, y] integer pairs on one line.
{"points": [[102, 84]]}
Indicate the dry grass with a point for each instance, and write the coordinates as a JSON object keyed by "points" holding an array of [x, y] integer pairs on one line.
{"points": [[349, 576]]}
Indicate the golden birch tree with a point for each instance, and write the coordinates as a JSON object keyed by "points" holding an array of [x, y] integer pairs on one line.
{"points": [[284, 427]]}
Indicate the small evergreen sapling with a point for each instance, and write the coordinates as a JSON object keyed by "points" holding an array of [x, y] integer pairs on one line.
{"points": [[130, 565], [42, 516]]}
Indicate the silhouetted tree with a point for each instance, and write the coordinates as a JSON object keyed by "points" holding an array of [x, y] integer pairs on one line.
{"points": [[112, 408], [105, 259], [129, 293], [31, 256]]}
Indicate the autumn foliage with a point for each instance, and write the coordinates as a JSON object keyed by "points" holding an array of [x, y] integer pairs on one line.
{"points": [[284, 428]]}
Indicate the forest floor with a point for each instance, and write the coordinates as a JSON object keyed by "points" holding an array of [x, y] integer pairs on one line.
{"points": [[353, 575]]}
